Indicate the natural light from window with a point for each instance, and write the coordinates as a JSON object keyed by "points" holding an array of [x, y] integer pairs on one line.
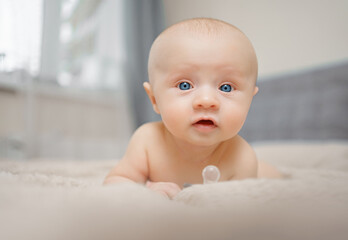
{"points": [[20, 35]]}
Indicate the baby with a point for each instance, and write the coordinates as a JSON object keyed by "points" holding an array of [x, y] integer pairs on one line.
{"points": [[202, 76]]}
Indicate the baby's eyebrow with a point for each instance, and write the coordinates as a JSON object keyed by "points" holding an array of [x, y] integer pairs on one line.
{"points": [[234, 73], [175, 76], [187, 70]]}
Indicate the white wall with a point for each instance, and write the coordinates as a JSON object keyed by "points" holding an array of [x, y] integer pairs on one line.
{"points": [[287, 35]]}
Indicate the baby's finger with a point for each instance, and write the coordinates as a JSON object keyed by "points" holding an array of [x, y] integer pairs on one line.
{"points": [[168, 189], [148, 183], [160, 190], [172, 190]]}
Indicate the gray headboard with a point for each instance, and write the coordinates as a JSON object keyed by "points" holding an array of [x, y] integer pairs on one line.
{"points": [[311, 105]]}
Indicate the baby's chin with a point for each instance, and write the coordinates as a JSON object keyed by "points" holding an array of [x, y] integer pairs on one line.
{"points": [[194, 138], [205, 141]]}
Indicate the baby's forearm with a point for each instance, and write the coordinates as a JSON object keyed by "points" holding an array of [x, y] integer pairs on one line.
{"points": [[116, 179]]}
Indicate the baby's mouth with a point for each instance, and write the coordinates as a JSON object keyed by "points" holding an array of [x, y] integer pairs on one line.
{"points": [[205, 125]]}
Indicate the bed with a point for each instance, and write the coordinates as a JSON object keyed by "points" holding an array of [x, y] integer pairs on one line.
{"points": [[51, 199], [65, 200]]}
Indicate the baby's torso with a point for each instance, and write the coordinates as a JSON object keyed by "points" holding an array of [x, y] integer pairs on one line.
{"points": [[165, 164]]}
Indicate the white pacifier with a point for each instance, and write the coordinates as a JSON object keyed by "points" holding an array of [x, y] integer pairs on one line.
{"points": [[211, 174]]}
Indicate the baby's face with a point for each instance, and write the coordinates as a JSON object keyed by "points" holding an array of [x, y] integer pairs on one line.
{"points": [[202, 86]]}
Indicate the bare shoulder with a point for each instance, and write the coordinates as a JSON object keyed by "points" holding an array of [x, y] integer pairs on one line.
{"points": [[149, 129], [244, 162], [267, 170], [145, 134], [144, 137], [243, 159], [134, 163]]}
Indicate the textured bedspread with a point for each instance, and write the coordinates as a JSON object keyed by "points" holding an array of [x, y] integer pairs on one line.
{"points": [[65, 200]]}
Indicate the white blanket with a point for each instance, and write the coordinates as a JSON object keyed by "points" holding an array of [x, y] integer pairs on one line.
{"points": [[50, 199]]}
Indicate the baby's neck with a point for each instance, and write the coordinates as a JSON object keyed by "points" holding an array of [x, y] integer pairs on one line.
{"points": [[194, 153]]}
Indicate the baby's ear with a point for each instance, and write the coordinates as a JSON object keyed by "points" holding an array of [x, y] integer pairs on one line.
{"points": [[256, 90], [152, 98]]}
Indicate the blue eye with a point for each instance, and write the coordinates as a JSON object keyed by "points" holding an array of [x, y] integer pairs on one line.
{"points": [[184, 86], [226, 88]]}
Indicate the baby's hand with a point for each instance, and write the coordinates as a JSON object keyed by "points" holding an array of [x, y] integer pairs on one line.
{"points": [[167, 189]]}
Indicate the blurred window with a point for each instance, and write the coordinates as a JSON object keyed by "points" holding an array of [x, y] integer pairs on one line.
{"points": [[20, 35], [92, 44]]}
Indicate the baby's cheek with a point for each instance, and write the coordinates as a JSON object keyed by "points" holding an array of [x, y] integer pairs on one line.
{"points": [[235, 119], [172, 116]]}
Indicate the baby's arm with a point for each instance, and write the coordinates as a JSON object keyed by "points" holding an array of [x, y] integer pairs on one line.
{"points": [[133, 167]]}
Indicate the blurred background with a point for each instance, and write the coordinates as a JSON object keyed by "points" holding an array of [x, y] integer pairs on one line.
{"points": [[71, 71]]}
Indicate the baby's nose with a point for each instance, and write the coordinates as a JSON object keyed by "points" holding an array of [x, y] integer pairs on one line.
{"points": [[206, 100]]}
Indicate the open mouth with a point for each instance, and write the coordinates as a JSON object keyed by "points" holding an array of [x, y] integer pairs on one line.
{"points": [[205, 125], [205, 122]]}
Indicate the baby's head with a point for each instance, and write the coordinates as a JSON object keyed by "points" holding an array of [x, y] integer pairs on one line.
{"points": [[195, 30], [202, 70]]}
